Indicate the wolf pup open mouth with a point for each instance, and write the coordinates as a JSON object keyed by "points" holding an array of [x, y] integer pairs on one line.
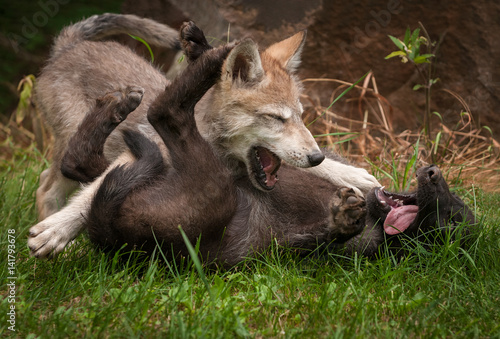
{"points": [[401, 210], [264, 165]]}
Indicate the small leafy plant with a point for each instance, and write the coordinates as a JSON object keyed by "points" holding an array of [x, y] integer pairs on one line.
{"points": [[410, 49]]}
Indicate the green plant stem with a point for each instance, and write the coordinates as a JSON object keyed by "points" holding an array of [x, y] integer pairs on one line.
{"points": [[427, 116]]}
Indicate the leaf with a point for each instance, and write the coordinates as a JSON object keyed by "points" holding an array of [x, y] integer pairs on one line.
{"points": [[421, 60], [414, 37], [25, 88], [407, 36], [422, 40], [427, 55], [417, 87], [395, 53], [438, 115], [488, 129], [146, 44], [399, 44], [413, 53], [436, 145], [433, 81]]}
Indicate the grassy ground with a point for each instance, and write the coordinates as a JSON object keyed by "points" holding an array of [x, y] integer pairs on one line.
{"points": [[448, 292]]}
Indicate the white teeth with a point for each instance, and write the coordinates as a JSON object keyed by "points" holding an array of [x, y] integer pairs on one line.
{"points": [[383, 203]]}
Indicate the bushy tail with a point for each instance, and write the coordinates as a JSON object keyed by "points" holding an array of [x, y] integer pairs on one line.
{"points": [[118, 183], [100, 26]]}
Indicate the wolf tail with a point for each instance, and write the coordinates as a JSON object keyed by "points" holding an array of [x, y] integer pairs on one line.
{"points": [[100, 26], [118, 184]]}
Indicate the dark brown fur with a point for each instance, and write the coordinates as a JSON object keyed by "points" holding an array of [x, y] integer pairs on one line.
{"points": [[84, 159]]}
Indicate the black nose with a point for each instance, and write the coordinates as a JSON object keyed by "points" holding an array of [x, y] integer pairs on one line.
{"points": [[434, 173], [316, 158]]}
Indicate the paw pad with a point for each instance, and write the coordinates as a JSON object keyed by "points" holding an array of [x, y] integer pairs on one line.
{"points": [[348, 212]]}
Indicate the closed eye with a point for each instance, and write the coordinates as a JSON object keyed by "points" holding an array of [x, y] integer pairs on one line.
{"points": [[275, 117]]}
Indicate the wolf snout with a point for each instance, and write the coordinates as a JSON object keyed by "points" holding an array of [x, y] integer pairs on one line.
{"points": [[315, 158], [432, 173]]}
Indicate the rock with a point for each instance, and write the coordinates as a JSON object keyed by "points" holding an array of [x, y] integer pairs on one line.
{"points": [[345, 40]]}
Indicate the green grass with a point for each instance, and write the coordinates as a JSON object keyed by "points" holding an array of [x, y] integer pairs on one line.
{"points": [[447, 292]]}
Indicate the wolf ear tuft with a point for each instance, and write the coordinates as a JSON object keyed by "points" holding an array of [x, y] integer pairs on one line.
{"points": [[287, 52], [243, 64]]}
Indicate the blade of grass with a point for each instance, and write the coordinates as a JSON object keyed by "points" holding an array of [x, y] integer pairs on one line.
{"points": [[197, 262], [410, 167], [145, 44], [338, 98]]}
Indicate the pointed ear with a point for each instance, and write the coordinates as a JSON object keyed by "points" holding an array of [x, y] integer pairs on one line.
{"points": [[288, 51], [243, 64]]}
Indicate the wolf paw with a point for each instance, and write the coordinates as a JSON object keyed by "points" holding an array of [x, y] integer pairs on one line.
{"points": [[48, 238], [193, 41], [121, 103], [362, 180], [348, 212]]}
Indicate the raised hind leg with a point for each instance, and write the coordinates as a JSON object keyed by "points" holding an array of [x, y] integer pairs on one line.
{"points": [[84, 158]]}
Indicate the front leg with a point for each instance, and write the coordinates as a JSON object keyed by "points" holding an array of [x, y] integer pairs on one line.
{"points": [[348, 211], [343, 175]]}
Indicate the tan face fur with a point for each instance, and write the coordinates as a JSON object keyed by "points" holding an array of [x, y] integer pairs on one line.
{"points": [[256, 103]]}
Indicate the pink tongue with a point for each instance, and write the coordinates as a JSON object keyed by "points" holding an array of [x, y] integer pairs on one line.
{"points": [[271, 179], [267, 162], [399, 218]]}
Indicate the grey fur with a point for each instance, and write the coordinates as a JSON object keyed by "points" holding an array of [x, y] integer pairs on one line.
{"points": [[98, 27]]}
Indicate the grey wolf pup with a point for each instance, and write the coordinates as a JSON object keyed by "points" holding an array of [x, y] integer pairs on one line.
{"points": [[251, 117]]}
